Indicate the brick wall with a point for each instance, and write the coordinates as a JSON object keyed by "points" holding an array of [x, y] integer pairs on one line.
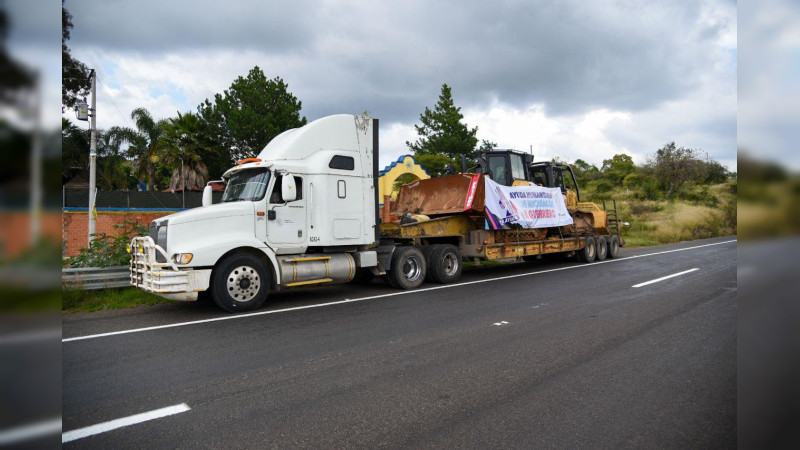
{"points": [[75, 225]]}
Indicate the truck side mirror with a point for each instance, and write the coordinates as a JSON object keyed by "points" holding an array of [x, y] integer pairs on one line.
{"points": [[288, 188], [207, 199]]}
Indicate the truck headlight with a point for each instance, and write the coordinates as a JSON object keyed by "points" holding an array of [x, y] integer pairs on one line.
{"points": [[182, 258]]}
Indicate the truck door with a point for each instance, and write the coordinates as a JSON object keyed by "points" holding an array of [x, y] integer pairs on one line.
{"points": [[289, 224]]}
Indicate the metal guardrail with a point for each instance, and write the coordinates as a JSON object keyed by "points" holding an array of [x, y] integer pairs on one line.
{"points": [[88, 278]]}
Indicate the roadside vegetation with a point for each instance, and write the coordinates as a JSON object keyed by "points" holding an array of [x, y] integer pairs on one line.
{"points": [[75, 300], [676, 195]]}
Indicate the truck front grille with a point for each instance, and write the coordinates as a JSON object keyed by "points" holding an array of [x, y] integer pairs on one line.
{"points": [[158, 233]]}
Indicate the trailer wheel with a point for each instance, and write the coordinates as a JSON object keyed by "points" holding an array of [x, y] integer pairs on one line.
{"points": [[602, 248], [444, 264], [588, 252], [613, 246], [241, 283], [426, 252], [408, 268]]}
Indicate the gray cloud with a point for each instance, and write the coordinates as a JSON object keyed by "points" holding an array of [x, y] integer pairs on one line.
{"points": [[393, 57]]}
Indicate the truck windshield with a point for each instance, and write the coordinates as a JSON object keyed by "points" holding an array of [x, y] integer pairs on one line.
{"points": [[246, 185]]}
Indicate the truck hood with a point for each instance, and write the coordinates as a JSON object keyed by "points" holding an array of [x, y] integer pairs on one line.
{"points": [[217, 211]]}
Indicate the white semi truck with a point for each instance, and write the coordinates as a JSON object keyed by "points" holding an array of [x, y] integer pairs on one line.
{"points": [[305, 212], [302, 213]]}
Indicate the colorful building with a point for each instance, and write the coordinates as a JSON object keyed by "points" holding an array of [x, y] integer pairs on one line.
{"points": [[405, 164]]}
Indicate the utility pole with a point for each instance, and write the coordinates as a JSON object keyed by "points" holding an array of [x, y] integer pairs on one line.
{"points": [[93, 158]]}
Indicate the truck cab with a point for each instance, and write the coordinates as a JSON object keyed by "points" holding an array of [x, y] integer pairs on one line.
{"points": [[303, 212]]}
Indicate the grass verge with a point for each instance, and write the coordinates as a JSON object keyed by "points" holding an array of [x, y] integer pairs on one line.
{"points": [[73, 300]]}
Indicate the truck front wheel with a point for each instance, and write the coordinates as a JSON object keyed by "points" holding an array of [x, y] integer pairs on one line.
{"points": [[408, 268], [241, 283]]}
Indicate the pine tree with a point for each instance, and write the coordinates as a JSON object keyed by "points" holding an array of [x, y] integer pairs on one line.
{"points": [[442, 131]]}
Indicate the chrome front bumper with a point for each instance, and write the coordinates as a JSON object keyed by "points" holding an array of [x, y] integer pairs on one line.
{"points": [[164, 279]]}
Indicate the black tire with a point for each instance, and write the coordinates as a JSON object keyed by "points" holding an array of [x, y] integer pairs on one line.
{"points": [[602, 248], [426, 252], [613, 246], [408, 268], [589, 251], [444, 264], [241, 283], [531, 258]]}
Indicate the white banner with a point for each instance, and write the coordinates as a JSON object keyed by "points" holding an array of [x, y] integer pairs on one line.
{"points": [[524, 207]]}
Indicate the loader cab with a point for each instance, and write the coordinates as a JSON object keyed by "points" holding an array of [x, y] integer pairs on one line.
{"points": [[506, 166], [550, 174]]}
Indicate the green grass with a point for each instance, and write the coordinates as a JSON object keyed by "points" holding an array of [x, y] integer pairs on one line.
{"points": [[73, 300]]}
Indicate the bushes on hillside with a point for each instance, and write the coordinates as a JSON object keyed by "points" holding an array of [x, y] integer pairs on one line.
{"points": [[670, 173]]}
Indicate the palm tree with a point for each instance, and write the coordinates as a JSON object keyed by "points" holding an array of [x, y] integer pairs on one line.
{"points": [[113, 168], [144, 143], [183, 145]]}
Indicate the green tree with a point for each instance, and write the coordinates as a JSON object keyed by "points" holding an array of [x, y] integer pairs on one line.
{"points": [[673, 166], [184, 143], [584, 171], [251, 113], [74, 151], [617, 168], [74, 74], [443, 133], [113, 169], [434, 163], [143, 143]]}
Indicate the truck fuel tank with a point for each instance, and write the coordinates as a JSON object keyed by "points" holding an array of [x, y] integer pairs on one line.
{"points": [[312, 269]]}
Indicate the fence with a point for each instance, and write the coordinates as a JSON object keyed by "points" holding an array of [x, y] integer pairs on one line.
{"points": [[89, 278], [135, 200]]}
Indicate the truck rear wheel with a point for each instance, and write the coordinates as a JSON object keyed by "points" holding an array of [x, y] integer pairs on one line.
{"points": [[408, 268], [589, 251], [613, 246], [444, 264], [241, 283], [602, 248], [426, 252]]}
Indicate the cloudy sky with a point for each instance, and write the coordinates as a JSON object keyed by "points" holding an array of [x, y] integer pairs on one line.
{"points": [[572, 79]]}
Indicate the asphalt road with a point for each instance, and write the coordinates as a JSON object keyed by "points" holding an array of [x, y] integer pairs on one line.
{"points": [[531, 355]]}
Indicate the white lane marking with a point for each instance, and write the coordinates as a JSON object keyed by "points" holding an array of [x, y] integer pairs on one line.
{"points": [[31, 431], [81, 433], [497, 324], [665, 278], [373, 297]]}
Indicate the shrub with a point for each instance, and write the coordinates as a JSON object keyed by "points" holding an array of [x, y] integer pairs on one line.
{"points": [[108, 250]]}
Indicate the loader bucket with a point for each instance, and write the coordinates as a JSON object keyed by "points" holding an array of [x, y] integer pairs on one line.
{"points": [[453, 194]]}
